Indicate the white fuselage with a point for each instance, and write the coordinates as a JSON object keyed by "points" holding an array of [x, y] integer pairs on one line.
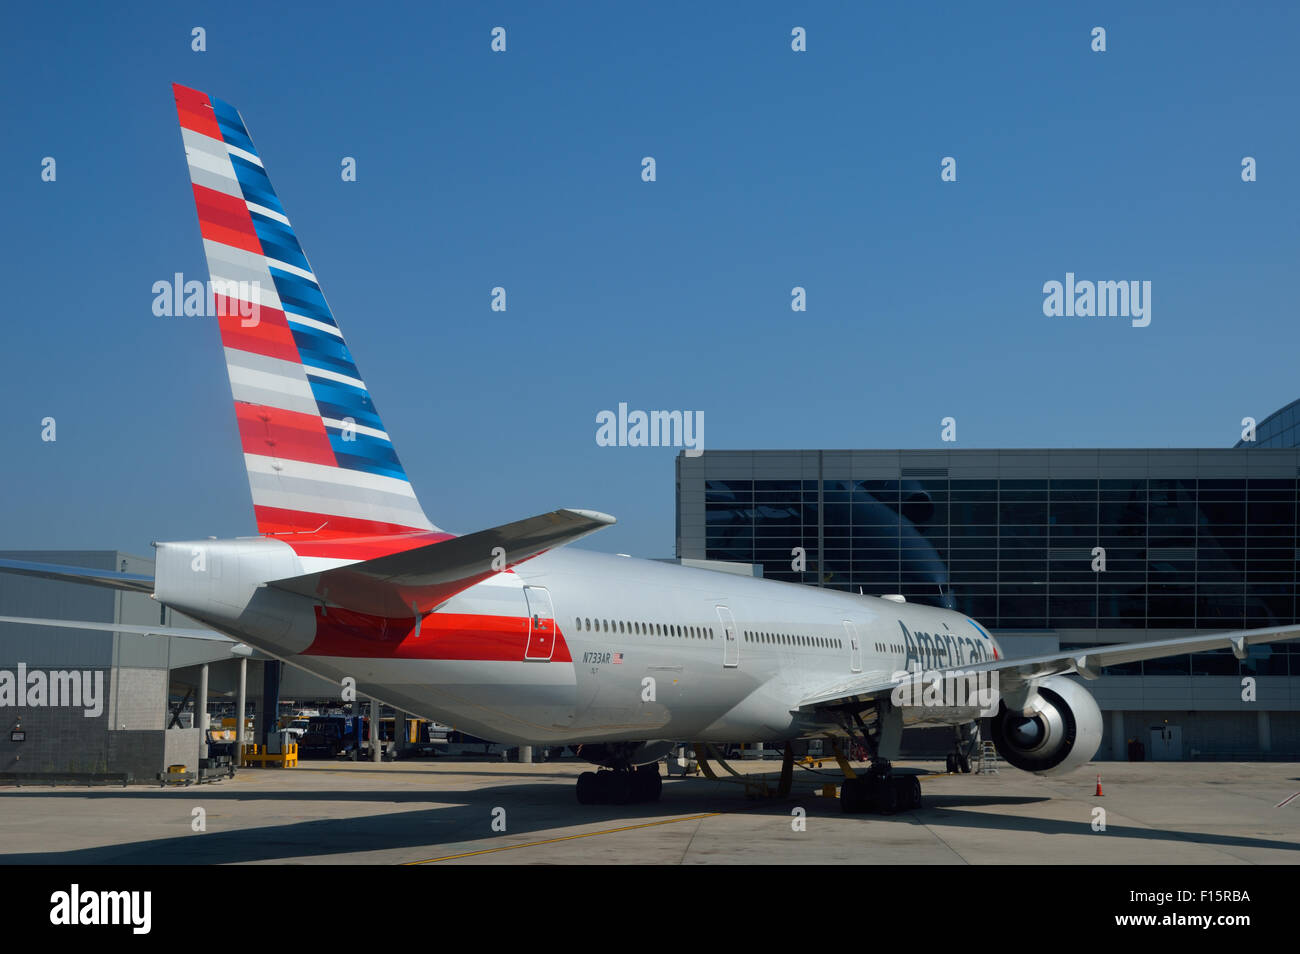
{"points": [[637, 649]]}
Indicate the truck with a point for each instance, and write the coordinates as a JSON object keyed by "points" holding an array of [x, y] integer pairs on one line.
{"points": [[332, 737]]}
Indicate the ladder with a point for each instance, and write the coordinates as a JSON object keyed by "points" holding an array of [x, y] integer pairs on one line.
{"points": [[988, 764]]}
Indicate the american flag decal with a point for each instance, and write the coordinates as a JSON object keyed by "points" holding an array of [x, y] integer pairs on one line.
{"points": [[618, 659]]}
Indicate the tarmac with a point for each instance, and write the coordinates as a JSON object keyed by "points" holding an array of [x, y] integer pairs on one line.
{"points": [[440, 811]]}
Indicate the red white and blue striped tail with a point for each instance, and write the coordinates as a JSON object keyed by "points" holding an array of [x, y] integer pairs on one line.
{"points": [[319, 459]]}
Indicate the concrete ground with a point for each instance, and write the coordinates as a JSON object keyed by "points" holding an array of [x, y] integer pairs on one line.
{"points": [[448, 812]]}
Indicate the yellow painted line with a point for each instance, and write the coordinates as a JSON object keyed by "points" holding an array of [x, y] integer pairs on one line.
{"points": [[552, 841]]}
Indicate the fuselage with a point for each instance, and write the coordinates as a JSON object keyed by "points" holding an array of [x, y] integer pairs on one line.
{"points": [[574, 646]]}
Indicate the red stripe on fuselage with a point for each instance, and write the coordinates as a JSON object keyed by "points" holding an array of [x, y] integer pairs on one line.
{"points": [[451, 636]]}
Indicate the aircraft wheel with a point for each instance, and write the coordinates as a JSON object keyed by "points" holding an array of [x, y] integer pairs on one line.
{"points": [[899, 784], [950, 765], [886, 797], [647, 784], [588, 789], [963, 763], [618, 787], [913, 793]]}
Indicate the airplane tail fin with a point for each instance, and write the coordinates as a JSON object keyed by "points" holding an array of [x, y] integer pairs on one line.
{"points": [[319, 459]]}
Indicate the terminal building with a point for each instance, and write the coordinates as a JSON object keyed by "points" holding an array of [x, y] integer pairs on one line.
{"points": [[116, 706], [1193, 541]]}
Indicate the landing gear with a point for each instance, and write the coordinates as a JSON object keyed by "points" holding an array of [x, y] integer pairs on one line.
{"points": [[587, 786], [880, 791], [646, 783], [620, 786], [967, 742]]}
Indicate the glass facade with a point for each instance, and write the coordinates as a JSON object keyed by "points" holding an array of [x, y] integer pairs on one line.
{"points": [[1279, 429], [1017, 554]]}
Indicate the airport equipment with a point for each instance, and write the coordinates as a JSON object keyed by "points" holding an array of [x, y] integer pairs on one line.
{"points": [[220, 762], [255, 756], [988, 764], [681, 761], [176, 775], [330, 737]]}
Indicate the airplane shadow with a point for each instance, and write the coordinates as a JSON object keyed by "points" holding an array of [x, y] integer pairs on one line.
{"points": [[326, 767], [466, 824], [463, 823]]}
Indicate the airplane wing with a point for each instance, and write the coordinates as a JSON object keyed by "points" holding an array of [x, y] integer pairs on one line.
{"points": [[417, 581], [1088, 663], [118, 627], [136, 582]]}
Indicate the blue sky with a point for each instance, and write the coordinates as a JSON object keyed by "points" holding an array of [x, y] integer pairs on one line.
{"points": [[522, 169]]}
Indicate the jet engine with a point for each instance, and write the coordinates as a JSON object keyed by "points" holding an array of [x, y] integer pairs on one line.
{"points": [[1062, 734]]}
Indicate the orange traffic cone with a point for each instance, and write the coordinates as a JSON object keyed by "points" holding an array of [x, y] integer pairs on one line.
{"points": [[1099, 792]]}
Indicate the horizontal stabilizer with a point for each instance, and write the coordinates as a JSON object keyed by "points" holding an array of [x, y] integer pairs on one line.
{"points": [[417, 581], [136, 582]]}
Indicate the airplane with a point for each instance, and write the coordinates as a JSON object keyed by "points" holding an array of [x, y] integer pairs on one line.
{"points": [[510, 634]]}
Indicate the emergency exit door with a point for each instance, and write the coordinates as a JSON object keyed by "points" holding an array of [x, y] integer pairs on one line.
{"points": [[541, 624]]}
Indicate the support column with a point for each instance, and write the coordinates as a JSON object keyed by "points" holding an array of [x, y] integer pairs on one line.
{"points": [[400, 729], [268, 713], [201, 711], [374, 730], [1265, 732], [525, 753], [257, 699], [1118, 741], [241, 706]]}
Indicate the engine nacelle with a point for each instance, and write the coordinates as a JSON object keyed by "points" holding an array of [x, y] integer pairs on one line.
{"points": [[1061, 735]]}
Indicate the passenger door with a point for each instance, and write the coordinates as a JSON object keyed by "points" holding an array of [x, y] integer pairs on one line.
{"points": [[541, 624], [855, 650], [730, 639]]}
